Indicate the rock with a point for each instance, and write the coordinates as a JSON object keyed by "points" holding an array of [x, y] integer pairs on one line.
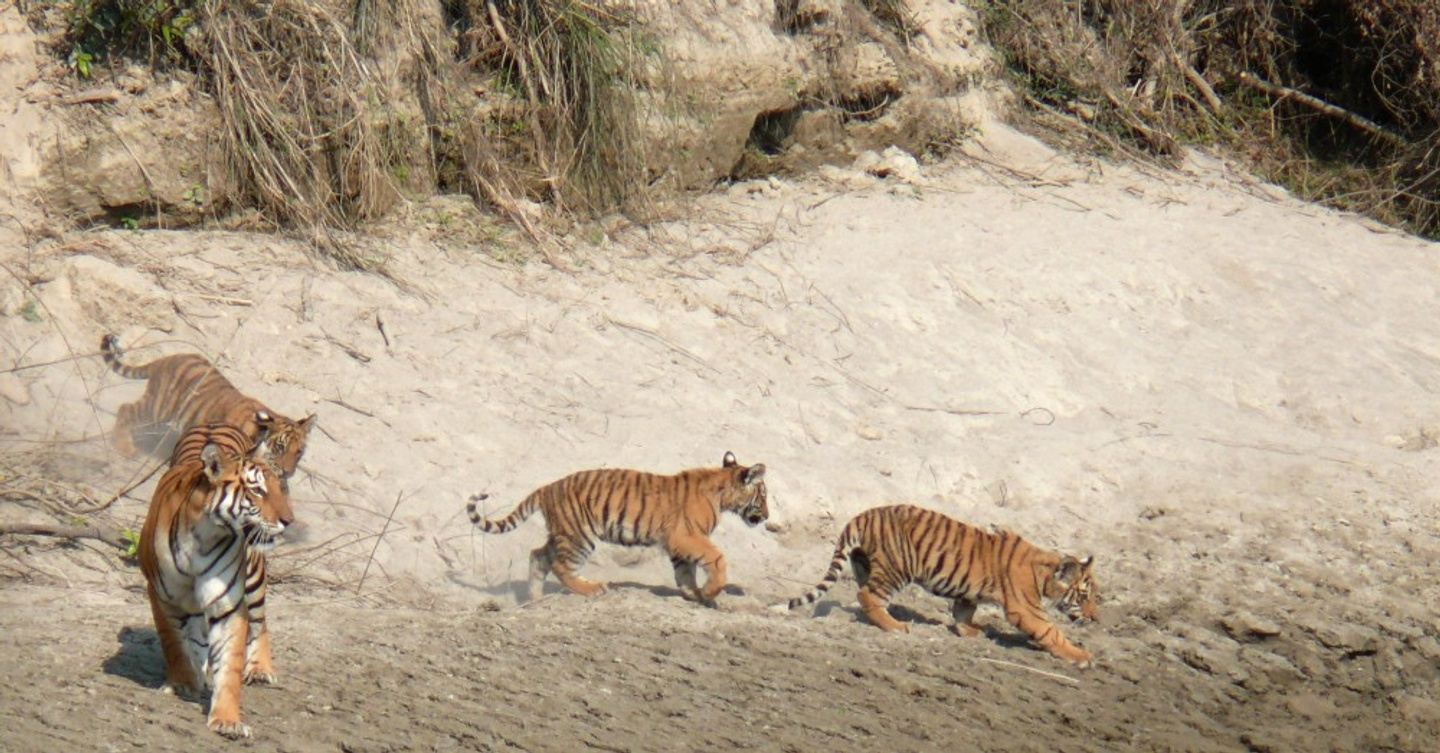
{"points": [[1310, 706], [869, 433], [894, 163], [1417, 708], [1351, 639], [1248, 628]]}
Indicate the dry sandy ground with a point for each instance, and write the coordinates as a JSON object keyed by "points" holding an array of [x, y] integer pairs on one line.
{"points": [[1225, 395]]}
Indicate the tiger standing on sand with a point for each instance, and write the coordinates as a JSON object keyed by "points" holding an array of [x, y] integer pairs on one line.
{"points": [[634, 508], [212, 518], [891, 547], [186, 390]]}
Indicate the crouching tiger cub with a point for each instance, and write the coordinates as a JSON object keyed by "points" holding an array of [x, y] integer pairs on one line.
{"points": [[890, 547], [634, 508], [214, 515], [186, 390]]}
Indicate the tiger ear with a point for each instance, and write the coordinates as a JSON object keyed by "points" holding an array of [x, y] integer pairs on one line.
{"points": [[306, 424], [729, 461], [264, 423], [210, 458], [260, 453], [753, 474], [1087, 562], [1068, 570]]}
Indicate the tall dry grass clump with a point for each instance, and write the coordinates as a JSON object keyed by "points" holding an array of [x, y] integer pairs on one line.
{"points": [[1339, 100], [332, 109], [302, 114], [575, 68]]}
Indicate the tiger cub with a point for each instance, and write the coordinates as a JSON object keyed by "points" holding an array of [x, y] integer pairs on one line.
{"points": [[890, 547], [634, 508], [186, 390], [213, 512]]}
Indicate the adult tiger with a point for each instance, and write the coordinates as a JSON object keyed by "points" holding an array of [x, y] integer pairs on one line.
{"points": [[634, 508], [186, 390], [215, 513], [891, 547]]}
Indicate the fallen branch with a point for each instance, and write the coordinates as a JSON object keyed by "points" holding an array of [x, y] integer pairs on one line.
{"points": [[108, 535], [92, 96], [1196, 80], [1282, 93], [398, 498], [1054, 675]]}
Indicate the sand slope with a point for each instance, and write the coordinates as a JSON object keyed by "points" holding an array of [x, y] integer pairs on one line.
{"points": [[1225, 395]]}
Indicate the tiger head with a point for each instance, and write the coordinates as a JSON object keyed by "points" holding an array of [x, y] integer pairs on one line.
{"points": [[745, 495], [247, 494], [1073, 588], [286, 440]]}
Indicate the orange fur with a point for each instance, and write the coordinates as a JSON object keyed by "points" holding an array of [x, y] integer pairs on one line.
{"points": [[634, 508], [211, 518], [891, 547], [184, 391]]}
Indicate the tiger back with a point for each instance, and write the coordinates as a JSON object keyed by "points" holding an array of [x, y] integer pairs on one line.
{"points": [[634, 508], [891, 547], [213, 515], [184, 391]]}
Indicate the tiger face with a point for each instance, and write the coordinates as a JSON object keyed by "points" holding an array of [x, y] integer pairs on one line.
{"points": [[285, 439], [249, 497], [746, 496], [1074, 590]]}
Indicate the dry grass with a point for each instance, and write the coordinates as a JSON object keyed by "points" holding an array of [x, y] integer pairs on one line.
{"points": [[1335, 99], [333, 109], [303, 115]]}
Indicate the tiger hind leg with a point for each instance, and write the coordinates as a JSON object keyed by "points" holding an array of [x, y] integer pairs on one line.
{"points": [[568, 557], [541, 560], [873, 603], [122, 437], [876, 588], [964, 613]]}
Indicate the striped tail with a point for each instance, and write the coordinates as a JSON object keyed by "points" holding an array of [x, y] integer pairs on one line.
{"points": [[849, 539], [507, 523], [110, 348]]}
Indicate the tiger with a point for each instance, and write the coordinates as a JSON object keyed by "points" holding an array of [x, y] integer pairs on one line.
{"points": [[186, 390], [635, 508], [214, 515], [891, 547]]}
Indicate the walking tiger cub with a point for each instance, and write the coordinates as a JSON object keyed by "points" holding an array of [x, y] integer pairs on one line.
{"points": [[214, 515], [634, 508], [186, 390], [890, 547]]}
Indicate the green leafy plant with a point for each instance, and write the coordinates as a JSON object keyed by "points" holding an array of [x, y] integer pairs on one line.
{"points": [[80, 62], [129, 223], [131, 538], [30, 312], [153, 29]]}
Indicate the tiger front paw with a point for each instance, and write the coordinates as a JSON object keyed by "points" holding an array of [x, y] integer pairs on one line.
{"points": [[261, 677], [232, 729]]}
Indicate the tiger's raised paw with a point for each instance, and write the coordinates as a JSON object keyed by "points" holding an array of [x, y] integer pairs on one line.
{"points": [[261, 678], [232, 730]]}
